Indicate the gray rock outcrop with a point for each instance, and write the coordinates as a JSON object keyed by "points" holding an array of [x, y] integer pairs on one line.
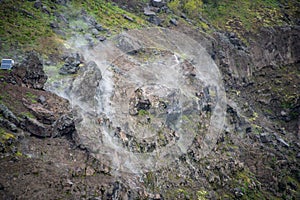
{"points": [[84, 88], [157, 3], [128, 45], [71, 66], [29, 72], [7, 114]]}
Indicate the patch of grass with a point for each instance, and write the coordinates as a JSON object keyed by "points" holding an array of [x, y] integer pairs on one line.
{"points": [[268, 111], [289, 99], [150, 179], [201, 194], [235, 16], [4, 97], [246, 14], [31, 97], [174, 5], [4, 73], [190, 7], [22, 26], [143, 112], [110, 15], [248, 184], [286, 105], [27, 114]]}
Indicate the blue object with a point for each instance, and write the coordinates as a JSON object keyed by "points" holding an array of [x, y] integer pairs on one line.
{"points": [[7, 63]]}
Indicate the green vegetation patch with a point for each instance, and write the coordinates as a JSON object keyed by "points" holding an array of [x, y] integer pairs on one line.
{"points": [[190, 7], [248, 185], [31, 97], [110, 16], [201, 194], [143, 112], [24, 27], [249, 15], [8, 143], [27, 114], [237, 16], [5, 135]]}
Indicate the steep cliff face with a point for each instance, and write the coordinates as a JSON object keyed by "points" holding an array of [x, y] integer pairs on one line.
{"points": [[276, 46], [206, 106], [267, 67]]}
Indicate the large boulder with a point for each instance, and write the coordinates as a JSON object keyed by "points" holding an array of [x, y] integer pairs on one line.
{"points": [[52, 119], [51, 116], [8, 125], [63, 126], [127, 44], [138, 102], [85, 87], [30, 72], [155, 20], [36, 128], [43, 114], [148, 12]]}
